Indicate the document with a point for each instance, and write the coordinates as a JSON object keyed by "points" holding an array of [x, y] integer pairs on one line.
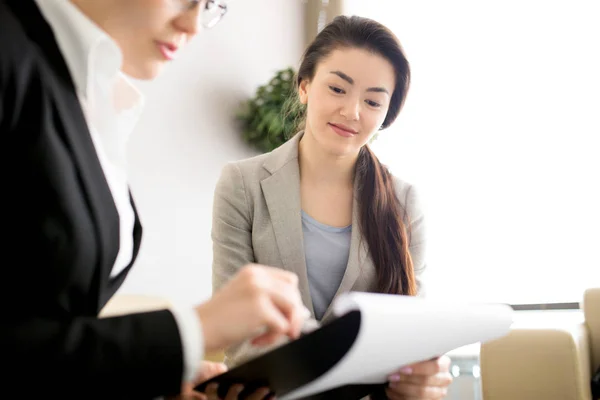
{"points": [[371, 336]]}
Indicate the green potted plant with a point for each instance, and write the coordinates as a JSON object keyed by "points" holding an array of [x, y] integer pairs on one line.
{"points": [[271, 117]]}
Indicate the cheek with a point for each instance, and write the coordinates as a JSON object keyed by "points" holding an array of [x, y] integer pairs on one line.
{"points": [[326, 105], [372, 121], [320, 107], [149, 18], [133, 33]]}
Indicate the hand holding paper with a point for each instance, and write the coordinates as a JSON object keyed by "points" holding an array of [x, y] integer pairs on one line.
{"points": [[424, 380]]}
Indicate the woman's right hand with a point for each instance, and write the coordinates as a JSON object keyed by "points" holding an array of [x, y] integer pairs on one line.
{"points": [[259, 302], [234, 391]]}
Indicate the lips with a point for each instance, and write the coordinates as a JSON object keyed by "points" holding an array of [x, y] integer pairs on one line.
{"points": [[168, 50], [343, 130]]}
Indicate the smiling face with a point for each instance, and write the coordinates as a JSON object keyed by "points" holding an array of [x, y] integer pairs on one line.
{"points": [[148, 32], [347, 99]]}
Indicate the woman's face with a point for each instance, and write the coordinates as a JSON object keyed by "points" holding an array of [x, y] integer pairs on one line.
{"points": [[347, 100], [148, 32]]}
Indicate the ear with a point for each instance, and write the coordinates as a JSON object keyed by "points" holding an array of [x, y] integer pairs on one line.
{"points": [[303, 91]]}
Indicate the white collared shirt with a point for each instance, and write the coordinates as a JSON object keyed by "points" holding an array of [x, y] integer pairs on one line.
{"points": [[112, 106]]}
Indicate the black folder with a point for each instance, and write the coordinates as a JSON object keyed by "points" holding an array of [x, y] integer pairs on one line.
{"points": [[300, 362]]}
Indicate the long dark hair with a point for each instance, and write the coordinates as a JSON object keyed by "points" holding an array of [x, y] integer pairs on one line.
{"points": [[382, 220]]}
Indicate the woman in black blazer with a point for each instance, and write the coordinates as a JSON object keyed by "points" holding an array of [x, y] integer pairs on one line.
{"points": [[62, 227]]}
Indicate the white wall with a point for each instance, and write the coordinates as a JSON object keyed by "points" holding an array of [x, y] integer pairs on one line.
{"points": [[187, 134], [501, 132]]}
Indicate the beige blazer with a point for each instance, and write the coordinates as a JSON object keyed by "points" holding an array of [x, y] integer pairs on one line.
{"points": [[257, 219]]}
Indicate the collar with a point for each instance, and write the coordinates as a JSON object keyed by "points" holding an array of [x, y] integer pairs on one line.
{"points": [[89, 52]]}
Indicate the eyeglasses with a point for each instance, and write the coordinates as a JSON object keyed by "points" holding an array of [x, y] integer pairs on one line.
{"points": [[211, 13]]}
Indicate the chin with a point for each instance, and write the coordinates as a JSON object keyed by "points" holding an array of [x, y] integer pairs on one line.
{"points": [[333, 144], [341, 149]]}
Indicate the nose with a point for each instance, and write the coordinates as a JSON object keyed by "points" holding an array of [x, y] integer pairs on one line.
{"points": [[189, 22], [351, 109]]}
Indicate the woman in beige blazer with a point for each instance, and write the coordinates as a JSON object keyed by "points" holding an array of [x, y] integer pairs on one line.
{"points": [[352, 82]]}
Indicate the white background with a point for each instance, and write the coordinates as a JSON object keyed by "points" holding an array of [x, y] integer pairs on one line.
{"points": [[501, 134]]}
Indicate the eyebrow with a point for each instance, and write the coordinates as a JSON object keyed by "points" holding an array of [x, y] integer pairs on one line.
{"points": [[351, 81]]}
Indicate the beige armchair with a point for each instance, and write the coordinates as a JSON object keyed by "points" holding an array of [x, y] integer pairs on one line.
{"points": [[121, 304], [547, 362]]}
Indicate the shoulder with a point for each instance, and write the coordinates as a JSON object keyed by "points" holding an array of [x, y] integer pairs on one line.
{"points": [[21, 81], [241, 178], [248, 170], [405, 190], [10, 28], [401, 186], [252, 165], [254, 169], [16, 49], [409, 198]]}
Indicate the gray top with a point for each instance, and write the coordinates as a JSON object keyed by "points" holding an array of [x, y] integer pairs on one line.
{"points": [[326, 249]]}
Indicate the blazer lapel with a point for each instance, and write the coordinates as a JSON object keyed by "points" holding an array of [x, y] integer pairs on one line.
{"points": [[111, 285], [72, 128], [282, 195], [358, 255]]}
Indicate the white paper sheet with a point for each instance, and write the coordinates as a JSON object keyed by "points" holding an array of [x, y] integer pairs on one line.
{"points": [[400, 330]]}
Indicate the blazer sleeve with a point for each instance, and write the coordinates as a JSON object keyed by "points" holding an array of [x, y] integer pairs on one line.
{"points": [[132, 356], [231, 226], [232, 245], [417, 236]]}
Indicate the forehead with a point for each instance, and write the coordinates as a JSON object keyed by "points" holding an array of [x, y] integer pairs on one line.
{"points": [[364, 67]]}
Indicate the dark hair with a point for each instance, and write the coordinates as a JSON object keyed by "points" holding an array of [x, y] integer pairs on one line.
{"points": [[382, 218]]}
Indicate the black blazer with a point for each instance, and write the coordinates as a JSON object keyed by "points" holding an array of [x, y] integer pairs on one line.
{"points": [[61, 238]]}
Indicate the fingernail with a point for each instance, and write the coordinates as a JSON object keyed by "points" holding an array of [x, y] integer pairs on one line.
{"points": [[309, 325], [394, 378], [406, 370]]}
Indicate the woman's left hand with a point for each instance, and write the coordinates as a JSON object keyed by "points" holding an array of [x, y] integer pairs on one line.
{"points": [[426, 380]]}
